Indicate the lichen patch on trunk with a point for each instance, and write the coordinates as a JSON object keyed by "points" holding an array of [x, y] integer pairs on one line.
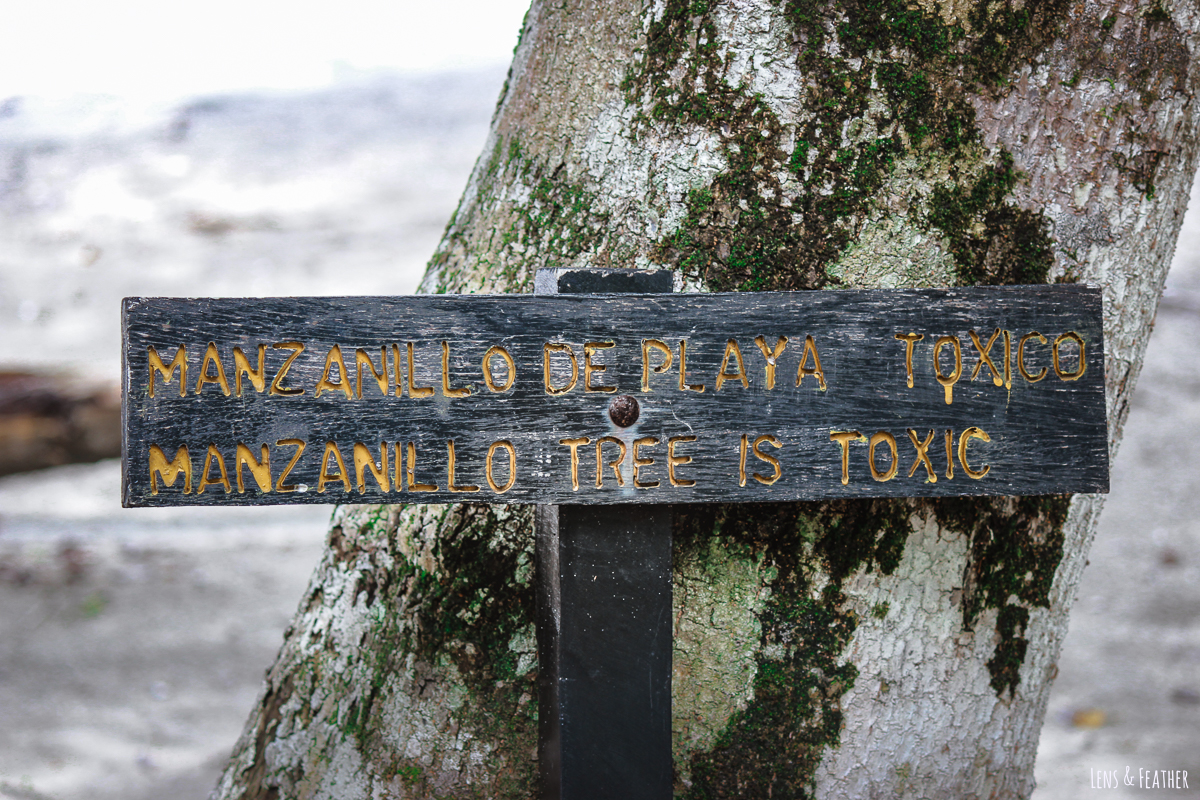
{"points": [[718, 597]]}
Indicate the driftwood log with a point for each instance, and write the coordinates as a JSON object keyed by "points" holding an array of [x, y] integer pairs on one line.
{"points": [[47, 420]]}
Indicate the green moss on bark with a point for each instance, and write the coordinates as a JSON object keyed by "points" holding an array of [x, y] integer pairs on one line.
{"points": [[1005, 665], [1009, 33], [1156, 13], [895, 92], [549, 221], [1016, 546], [467, 612], [992, 243], [772, 747], [480, 597], [480, 600]]}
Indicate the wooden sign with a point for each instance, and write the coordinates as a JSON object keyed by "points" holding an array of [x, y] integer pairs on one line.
{"points": [[584, 399]]}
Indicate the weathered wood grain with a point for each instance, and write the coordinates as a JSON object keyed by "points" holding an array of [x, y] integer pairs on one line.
{"points": [[1044, 436]]}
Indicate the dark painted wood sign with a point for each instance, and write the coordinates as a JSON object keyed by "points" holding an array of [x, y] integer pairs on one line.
{"points": [[584, 399]]}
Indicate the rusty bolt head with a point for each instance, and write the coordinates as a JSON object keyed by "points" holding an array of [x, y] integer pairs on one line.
{"points": [[623, 410]]}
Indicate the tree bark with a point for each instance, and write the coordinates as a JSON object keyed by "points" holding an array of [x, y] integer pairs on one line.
{"points": [[841, 649]]}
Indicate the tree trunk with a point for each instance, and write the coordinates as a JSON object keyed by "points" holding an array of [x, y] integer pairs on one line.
{"points": [[841, 649]]}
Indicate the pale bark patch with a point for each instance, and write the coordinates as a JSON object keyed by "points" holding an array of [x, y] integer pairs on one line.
{"points": [[892, 253], [716, 601], [923, 689]]}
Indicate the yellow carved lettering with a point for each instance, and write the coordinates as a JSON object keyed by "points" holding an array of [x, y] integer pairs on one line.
{"points": [[213, 455], [590, 369], [414, 390], [844, 438], [648, 368], [768, 458], [574, 444], [948, 381], [963, 441], [743, 445], [949, 454], [446, 390], [985, 357], [169, 470], [1021, 358], [489, 377], [342, 384], [410, 472], [211, 357], [732, 351], [451, 462], [771, 356], [241, 366], [674, 461], [922, 448], [1070, 336], [1007, 360], [909, 339], [615, 464], [639, 461], [363, 359], [279, 482], [364, 461], [810, 346], [260, 469], [890, 472], [325, 476], [684, 386], [179, 362], [558, 347], [277, 387], [507, 447]]}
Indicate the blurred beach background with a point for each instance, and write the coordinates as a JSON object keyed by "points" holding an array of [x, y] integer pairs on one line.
{"points": [[257, 149]]}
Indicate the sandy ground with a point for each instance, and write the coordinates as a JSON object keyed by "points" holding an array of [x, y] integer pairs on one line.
{"points": [[132, 643]]}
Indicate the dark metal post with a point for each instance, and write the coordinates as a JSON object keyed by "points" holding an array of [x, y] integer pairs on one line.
{"points": [[604, 625]]}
